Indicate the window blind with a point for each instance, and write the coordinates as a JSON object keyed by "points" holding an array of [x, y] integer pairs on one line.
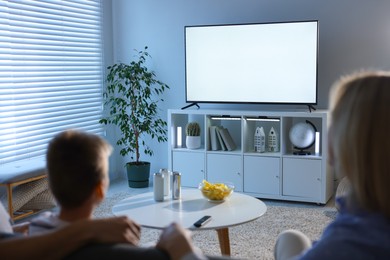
{"points": [[50, 73]]}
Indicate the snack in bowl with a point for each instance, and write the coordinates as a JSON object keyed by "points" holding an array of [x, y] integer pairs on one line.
{"points": [[216, 192]]}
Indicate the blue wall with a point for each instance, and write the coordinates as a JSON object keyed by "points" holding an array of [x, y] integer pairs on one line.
{"points": [[354, 35]]}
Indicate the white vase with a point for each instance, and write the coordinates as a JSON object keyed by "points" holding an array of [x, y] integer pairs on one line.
{"points": [[193, 142]]}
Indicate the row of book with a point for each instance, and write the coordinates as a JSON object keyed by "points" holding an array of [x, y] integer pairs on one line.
{"points": [[220, 139]]}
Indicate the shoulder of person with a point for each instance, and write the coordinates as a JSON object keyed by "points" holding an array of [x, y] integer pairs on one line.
{"points": [[45, 221]]}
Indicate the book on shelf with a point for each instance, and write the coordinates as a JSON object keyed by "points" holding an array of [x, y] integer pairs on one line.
{"points": [[215, 145], [227, 139], [222, 143]]}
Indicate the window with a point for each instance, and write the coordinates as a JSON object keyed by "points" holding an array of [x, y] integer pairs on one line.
{"points": [[50, 73]]}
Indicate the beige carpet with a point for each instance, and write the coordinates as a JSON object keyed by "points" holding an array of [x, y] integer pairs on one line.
{"points": [[254, 240]]}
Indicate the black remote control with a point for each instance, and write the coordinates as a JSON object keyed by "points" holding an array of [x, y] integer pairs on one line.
{"points": [[202, 221]]}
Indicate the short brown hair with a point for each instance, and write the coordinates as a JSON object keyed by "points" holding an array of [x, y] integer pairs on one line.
{"points": [[76, 163], [360, 128]]}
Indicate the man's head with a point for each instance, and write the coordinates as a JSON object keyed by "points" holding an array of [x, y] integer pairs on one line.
{"points": [[77, 164]]}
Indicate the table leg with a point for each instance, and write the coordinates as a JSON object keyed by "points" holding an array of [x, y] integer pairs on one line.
{"points": [[224, 243]]}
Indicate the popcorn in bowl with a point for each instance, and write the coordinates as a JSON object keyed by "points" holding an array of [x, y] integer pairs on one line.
{"points": [[216, 192]]}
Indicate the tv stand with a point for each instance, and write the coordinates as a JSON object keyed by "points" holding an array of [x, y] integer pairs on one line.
{"points": [[190, 105], [274, 174]]}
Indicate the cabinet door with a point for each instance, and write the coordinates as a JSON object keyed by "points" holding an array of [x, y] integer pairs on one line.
{"points": [[261, 174], [223, 167], [191, 167], [302, 178]]}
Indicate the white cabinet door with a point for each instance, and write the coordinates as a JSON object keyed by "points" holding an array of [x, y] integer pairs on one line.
{"points": [[191, 167], [261, 174], [302, 178], [225, 167]]}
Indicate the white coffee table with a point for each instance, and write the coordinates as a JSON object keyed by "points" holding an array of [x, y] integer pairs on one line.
{"points": [[236, 210]]}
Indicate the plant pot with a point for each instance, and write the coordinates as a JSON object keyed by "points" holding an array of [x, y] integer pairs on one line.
{"points": [[193, 142], [138, 174]]}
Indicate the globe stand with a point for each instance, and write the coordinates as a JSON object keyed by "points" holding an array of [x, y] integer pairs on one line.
{"points": [[301, 152]]}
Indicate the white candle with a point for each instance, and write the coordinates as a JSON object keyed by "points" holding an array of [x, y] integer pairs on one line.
{"points": [[179, 133], [317, 143]]}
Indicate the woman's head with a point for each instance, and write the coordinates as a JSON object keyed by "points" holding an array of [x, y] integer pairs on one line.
{"points": [[359, 140]]}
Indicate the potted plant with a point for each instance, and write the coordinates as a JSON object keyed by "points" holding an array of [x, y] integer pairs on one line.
{"points": [[131, 98], [193, 135]]}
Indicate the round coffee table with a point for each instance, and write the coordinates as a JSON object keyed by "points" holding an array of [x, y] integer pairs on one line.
{"points": [[236, 210]]}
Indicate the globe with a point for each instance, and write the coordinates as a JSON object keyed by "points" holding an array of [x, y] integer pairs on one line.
{"points": [[302, 135]]}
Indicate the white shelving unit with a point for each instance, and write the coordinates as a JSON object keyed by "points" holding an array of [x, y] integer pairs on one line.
{"points": [[278, 175]]}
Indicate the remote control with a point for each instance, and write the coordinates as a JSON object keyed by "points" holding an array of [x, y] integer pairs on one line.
{"points": [[202, 221]]}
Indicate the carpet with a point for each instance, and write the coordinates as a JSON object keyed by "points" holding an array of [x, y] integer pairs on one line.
{"points": [[253, 240]]}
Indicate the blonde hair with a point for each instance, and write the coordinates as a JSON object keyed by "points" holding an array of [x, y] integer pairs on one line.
{"points": [[76, 163], [359, 137]]}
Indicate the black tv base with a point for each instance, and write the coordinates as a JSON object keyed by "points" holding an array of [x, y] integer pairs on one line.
{"points": [[311, 107], [190, 105]]}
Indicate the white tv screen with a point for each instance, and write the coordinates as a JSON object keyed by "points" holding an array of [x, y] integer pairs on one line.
{"points": [[252, 63]]}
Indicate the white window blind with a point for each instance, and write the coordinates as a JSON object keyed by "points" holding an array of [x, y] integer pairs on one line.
{"points": [[50, 73]]}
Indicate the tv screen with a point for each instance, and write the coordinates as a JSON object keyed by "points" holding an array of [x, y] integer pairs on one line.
{"points": [[273, 63]]}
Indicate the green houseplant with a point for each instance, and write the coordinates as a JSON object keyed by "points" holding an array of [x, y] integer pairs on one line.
{"points": [[193, 135], [131, 97]]}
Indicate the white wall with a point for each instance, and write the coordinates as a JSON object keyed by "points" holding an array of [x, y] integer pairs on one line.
{"points": [[354, 35]]}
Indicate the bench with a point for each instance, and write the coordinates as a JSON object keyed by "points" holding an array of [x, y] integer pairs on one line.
{"points": [[19, 179]]}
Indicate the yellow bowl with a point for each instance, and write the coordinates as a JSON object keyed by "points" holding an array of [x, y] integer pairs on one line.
{"points": [[216, 192]]}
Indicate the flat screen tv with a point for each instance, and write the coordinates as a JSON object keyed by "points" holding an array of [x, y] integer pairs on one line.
{"points": [[264, 63]]}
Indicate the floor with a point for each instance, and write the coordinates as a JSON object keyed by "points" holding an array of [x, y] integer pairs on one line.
{"points": [[121, 184]]}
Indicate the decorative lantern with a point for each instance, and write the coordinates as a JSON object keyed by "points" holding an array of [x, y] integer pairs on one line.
{"points": [[273, 141], [259, 140]]}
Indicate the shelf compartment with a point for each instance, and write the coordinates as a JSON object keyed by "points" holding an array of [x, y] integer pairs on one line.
{"points": [[250, 125], [231, 123]]}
